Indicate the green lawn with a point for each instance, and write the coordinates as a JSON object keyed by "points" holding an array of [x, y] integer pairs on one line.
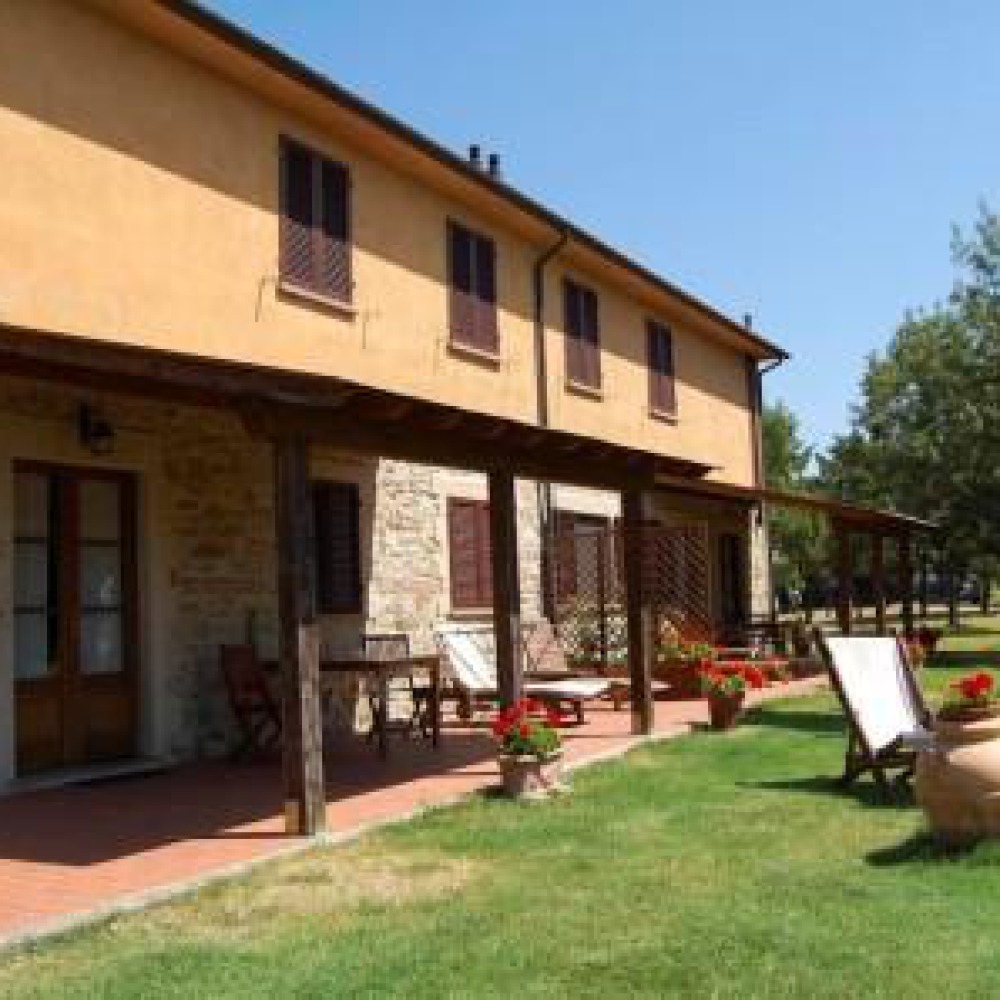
{"points": [[709, 866]]}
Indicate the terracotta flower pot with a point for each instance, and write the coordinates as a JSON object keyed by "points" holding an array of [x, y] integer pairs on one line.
{"points": [[531, 778], [683, 676], [958, 781], [724, 710]]}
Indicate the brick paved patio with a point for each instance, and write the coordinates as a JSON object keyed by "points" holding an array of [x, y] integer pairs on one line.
{"points": [[73, 851]]}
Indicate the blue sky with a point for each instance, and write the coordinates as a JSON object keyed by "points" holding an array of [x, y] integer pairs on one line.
{"points": [[803, 161]]}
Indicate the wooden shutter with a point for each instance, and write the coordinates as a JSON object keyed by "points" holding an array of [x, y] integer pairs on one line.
{"points": [[662, 395], [297, 216], [575, 367], [333, 235], [470, 555], [315, 247], [486, 294], [472, 280], [336, 508], [565, 556], [461, 315], [583, 342], [591, 338]]}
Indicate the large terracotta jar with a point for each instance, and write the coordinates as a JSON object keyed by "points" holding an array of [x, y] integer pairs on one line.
{"points": [[958, 781]]}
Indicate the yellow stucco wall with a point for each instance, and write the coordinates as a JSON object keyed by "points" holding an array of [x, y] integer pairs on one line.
{"points": [[139, 202]]}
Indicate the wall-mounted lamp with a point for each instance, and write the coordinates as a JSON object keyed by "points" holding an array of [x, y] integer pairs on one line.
{"points": [[96, 433]]}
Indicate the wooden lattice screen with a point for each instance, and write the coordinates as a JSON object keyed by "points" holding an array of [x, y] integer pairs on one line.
{"points": [[589, 585]]}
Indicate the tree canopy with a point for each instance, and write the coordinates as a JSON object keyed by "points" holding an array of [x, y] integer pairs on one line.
{"points": [[924, 435], [796, 536]]}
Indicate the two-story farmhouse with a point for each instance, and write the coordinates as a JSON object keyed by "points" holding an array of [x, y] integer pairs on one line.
{"points": [[253, 333]]}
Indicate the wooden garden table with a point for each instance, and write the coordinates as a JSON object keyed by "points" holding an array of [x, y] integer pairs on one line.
{"points": [[381, 672]]}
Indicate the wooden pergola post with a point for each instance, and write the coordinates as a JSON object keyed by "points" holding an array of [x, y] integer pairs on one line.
{"points": [[878, 581], [298, 641], [639, 626], [923, 595], [506, 585], [905, 565], [845, 576]]}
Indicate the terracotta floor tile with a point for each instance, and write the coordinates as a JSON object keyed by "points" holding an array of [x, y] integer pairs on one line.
{"points": [[71, 850]]}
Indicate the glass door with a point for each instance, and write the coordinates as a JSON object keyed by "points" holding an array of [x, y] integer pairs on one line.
{"points": [[75, 607]]}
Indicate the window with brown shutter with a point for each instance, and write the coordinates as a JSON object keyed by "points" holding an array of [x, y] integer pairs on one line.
{"points": [[472, 278], [582, 330], [660, 353], [470, 554], [315, 251], [336, 508]]}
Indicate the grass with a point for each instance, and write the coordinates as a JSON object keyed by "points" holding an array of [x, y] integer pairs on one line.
{"points": [[709, 866]]}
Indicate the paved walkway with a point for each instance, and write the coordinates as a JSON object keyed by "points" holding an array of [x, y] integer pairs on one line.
{"points": [[73, 852]]}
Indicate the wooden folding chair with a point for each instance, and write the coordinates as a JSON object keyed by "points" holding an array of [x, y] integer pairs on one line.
{"points": [[396, 646], [257, 713], [889, 722]]}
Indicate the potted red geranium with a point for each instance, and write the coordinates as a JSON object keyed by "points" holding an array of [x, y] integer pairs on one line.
{"points": [[680, 664], [970, 699], [725, 685], [530, 750]]}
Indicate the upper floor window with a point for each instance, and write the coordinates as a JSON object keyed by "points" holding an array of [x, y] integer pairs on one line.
{"points": [[660, 354], [315, 251], [472, 277], [470, 551], [583, 342], [336, 509]]}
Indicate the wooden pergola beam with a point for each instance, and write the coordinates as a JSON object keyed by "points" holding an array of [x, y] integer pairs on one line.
{"points": [[905, 569], [459, 448], [878, 581], [637, 615], [845, 575], [506, 585], [298, 641]]}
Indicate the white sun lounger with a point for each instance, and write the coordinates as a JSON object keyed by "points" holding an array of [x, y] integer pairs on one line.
{"points": [[889, 720], [473, 668]]}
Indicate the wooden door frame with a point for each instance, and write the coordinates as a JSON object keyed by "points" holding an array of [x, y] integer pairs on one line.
{"points": [[70, 680]]}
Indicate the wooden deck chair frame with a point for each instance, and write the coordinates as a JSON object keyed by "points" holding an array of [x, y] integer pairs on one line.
{"points": [[860, 757], [255, 709], [534, 688]]}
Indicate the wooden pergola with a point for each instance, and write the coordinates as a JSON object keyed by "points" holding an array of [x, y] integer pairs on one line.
{"points": [[847, 521], [296, 412]]}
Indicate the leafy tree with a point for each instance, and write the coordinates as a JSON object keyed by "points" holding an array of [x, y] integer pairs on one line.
{"points": [[797, 537], [925, 435]]}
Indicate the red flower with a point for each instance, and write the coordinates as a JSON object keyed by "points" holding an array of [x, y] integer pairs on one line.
{"points": [[525, 730], [553, 718], [975, 686]]}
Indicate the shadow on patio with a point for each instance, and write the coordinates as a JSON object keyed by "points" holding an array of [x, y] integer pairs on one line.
{"points": [[71, 850]]}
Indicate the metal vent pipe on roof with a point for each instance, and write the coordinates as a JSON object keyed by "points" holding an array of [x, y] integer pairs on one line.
{"points": [[476, 156]]}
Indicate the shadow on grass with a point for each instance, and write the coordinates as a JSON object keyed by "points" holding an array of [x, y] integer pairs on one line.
{"points": [[965, 658], [971, 631], [897, 795], [919, 849], [796, 720]]}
